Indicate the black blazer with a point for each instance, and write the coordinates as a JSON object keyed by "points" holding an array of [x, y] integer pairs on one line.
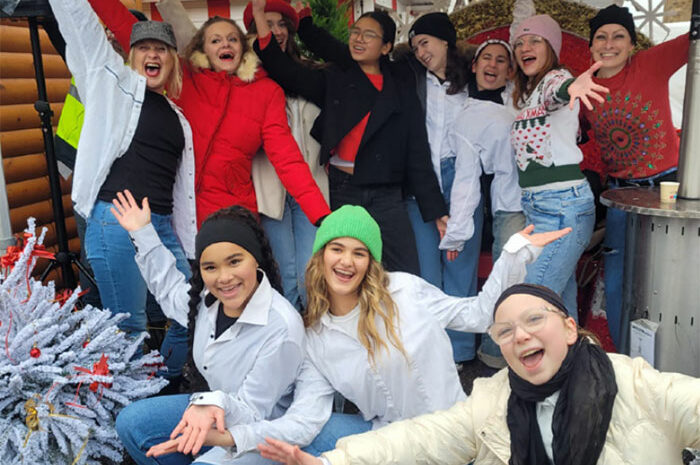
{"points": [[394, 147]]}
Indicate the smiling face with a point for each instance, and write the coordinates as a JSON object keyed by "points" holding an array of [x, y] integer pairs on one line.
{"points": [[229, 272], [431, 52], [492, 67], [533, 54], [152, 59], [612, 45], [223, 46], [278, 26], [366, 45], [536, 357], [345, 264]]}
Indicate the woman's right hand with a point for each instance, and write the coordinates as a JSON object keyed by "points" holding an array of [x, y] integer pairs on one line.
{"points": [[298, 6], [280, 451], [194, 426], [127, 211], [258, 6]]}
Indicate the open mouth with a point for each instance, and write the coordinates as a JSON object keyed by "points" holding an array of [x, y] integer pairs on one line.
{"points": [[489, 76], [152, 69], [528, 60], [358, 49], [531, 358], [226, 56], [229, 291], [343, 275]]}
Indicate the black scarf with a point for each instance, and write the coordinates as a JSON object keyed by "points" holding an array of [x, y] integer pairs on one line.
{"points": [[490, 95], [587, 390]]}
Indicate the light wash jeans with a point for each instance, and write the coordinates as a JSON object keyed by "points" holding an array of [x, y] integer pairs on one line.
{"points": [[122, 288], [505, 224], [291, 239], [338, 426], [456, 278], [550, 210]]}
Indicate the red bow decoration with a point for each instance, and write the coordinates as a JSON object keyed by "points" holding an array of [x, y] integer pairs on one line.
{"points": [[100, 368], [63, 296], [14, 252]]}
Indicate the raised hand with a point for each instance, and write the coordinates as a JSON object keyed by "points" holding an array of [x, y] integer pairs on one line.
{"points": [[196, 422], [542, 239], [258, 6], [287, 454], [584, 88], [298, 6], [127, 211]]}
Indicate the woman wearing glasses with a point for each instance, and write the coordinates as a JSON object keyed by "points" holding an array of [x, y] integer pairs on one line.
{"points": [[561, 400], [370, 126]]}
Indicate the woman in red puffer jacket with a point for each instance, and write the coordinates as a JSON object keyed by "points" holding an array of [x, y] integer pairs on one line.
{"points": [[234, 109]]}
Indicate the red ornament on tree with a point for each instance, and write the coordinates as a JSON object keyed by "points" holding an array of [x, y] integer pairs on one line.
{"points": [[35, 352]]}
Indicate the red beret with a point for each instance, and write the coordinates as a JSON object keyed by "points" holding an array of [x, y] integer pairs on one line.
{"points": [[279, 6]]}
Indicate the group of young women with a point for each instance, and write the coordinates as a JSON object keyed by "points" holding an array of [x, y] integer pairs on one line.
{"points": [[165, 172]]}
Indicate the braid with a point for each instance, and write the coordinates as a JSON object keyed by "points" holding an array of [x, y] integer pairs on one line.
{"points": [[195, 380]]}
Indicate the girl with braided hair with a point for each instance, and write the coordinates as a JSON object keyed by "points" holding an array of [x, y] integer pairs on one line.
{"points": [[241, 329]]}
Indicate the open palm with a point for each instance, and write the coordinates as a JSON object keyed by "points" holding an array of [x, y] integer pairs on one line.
{"points": [[288, 454]]}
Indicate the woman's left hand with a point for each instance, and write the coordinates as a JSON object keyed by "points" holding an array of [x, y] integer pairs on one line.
{"points": [[285, 453], [542, 239], [584, 88]]}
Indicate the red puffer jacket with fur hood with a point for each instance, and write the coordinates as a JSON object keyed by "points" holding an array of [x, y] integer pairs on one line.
{"points": [[232, 116]]}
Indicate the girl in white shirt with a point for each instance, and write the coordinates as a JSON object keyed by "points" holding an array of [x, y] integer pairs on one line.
{"points": [[378, 338], [245, 339]]}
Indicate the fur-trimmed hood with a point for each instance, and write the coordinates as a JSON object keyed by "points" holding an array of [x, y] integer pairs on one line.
{"points": [[247, 70]]}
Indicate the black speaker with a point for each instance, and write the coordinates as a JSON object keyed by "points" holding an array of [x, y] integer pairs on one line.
{"points": [[25, 9]]}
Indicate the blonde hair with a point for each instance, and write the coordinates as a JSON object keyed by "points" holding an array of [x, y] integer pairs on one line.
{"points": [[194, 52], [374, 300], [174, 84]]}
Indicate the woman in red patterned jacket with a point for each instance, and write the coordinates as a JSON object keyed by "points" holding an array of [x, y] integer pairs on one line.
{"points": [[234, 109]]}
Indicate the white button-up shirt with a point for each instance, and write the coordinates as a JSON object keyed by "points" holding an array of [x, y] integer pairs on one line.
{"points": [[253, 364], [113, 95], [396, 387], [480, 139]]}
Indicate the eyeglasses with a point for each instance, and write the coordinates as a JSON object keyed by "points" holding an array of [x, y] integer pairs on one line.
{"points": [[366, 35], [530, 321]]}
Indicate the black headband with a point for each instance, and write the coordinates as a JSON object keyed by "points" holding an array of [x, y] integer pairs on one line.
{"points": [[542, 292], [227, 230]]}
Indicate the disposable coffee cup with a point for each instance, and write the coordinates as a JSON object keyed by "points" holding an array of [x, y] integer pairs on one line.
{"points": [[669, 191]]}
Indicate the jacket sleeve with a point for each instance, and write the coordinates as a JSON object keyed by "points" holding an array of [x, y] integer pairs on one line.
{"points": [[291, 75], [667, 57], [275, 369], [465, 194], [284, 154], [117, 18], [174, 13], [671, 399], [422, 181], [442, 438], [555, 89], [159, 269], [301, 423], [322, 44], [475, 314]]}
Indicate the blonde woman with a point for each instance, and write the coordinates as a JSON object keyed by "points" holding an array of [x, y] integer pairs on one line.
{"points": [[376, 337]]}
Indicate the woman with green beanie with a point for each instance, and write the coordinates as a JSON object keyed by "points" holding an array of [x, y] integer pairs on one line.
{"points": [[377, 337]]}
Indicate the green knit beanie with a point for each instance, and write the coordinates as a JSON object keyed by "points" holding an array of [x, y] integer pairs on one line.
{"points": [[351, 221]]}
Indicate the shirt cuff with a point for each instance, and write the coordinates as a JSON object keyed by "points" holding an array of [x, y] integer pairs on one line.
{"points": [[263, 42], [145, 239], [217, 398], [304, 13], [244, 439], [522, 247]]}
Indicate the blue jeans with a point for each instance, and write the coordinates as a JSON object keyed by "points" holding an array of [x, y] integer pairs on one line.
{"points": [[550, 210], [122, 289], [458, 277], [505, 224], [338, 426], [291, 239]]}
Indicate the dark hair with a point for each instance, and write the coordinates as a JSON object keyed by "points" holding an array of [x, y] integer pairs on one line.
{"points": [[457, 70], [196, 44], [525, 85], [385, 22], [268, 265]]}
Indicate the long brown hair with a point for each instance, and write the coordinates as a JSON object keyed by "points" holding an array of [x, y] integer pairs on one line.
{"points": [[524, 85], [374, 300], [196, 45]]}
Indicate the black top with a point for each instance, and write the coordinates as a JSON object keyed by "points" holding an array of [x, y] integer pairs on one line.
{"points": [[148, 166], [223, 322], [394, 147]]}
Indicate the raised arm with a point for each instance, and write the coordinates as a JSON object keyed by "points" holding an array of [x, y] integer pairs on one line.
{"points": [[174, 13], [321, 43], [283, 152], [117, 19], [157, 264]]}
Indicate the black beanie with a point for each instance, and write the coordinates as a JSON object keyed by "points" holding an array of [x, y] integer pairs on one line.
{"points": [[436, 25], [542, 292], [388, 25], [613, 15]]}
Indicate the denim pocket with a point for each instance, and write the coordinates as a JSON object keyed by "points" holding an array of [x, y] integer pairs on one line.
{"points": [[585, 221]]}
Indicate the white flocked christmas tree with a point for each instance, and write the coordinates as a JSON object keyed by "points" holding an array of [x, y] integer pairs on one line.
{"points": [[65, 372]]}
